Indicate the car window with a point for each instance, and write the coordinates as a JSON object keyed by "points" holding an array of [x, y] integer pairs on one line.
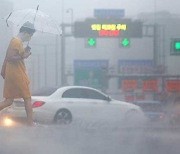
{"points": [[92, 94], [73, 93]]}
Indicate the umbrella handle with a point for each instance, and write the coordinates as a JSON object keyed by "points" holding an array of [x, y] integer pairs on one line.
{"points": [[27, 44]]}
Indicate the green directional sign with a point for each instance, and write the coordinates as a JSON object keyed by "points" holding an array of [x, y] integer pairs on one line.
{"points": [[175, 46], [90, 42], [125, 42]]}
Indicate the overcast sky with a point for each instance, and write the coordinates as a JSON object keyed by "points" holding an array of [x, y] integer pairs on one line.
{"points": [[84, 8]]}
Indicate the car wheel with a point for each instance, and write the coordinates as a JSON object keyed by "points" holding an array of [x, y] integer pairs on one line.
{"points": [[63, 117]]}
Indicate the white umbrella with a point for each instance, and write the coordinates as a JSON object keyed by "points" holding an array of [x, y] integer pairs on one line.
{"points": [[42, 22]]}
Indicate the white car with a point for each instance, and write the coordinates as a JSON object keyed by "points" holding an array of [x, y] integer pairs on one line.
{"points": [[76, 103]]}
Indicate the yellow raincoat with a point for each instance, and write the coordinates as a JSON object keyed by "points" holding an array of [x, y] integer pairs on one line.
{"points": [[16, 83]]}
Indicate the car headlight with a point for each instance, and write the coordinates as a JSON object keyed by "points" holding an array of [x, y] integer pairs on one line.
{"points": [[7, 122]]}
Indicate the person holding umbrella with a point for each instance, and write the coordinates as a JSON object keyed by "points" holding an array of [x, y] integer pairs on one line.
{"points": [[16, 82]]}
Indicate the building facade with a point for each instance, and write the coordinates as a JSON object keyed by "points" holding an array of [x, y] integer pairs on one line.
{"points": [[119, 71]]}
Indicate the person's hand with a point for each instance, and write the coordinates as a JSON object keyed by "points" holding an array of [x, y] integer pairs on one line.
{"points": [[3, 70], [27, 48], [3, 75], [26, 54]]}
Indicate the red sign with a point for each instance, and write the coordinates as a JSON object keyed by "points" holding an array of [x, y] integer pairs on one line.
{"points": [[131, 97], [150, 85], [112, 30], [109, 33], [172, 86], [129, 85]]}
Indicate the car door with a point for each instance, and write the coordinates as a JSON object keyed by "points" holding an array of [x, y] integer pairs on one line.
{"points": [[102, 108], [76, 101]]}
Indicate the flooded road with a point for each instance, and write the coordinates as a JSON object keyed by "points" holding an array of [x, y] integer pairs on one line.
{"points": [[84, 139]]}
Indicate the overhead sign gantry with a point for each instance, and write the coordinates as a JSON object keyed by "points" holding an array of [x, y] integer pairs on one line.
{"points": [[93, 27]]}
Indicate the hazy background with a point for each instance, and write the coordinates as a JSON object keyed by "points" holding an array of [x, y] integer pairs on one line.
{"points": [[88, 138], [75, 47], [84, 8]]}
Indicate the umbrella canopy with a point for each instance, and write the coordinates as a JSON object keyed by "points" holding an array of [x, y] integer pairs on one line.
{"points": [[42, 22]]}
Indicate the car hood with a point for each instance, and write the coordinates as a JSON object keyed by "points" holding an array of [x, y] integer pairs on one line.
{"points": [[127, 104]]}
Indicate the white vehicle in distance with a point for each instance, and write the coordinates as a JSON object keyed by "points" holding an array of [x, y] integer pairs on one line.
{"points": [[77, 103]]}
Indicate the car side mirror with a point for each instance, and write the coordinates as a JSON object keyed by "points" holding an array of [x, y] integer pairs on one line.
{"points": [[108, 98]]}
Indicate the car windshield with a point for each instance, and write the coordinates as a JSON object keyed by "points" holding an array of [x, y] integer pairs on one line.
{"points": [[90, 76]]}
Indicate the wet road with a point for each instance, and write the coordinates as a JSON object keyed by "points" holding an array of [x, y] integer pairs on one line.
{"points": [[88, 139]]}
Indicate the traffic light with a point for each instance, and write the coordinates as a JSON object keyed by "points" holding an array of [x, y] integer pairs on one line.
{"points": [[90, 42], [175, 46], [125, 42]]}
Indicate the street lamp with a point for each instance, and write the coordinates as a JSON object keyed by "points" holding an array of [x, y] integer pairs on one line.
{"points": [[63, 37], [70, 10]]}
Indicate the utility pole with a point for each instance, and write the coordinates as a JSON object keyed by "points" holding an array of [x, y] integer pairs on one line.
{"points": [[152, 32], [63, 50], [63, 43], [155, 45], [63, 81], [45, 64], [57, 61]]}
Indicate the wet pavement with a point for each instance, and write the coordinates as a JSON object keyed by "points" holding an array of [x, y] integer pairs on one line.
{"points": [[89, 139]]}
